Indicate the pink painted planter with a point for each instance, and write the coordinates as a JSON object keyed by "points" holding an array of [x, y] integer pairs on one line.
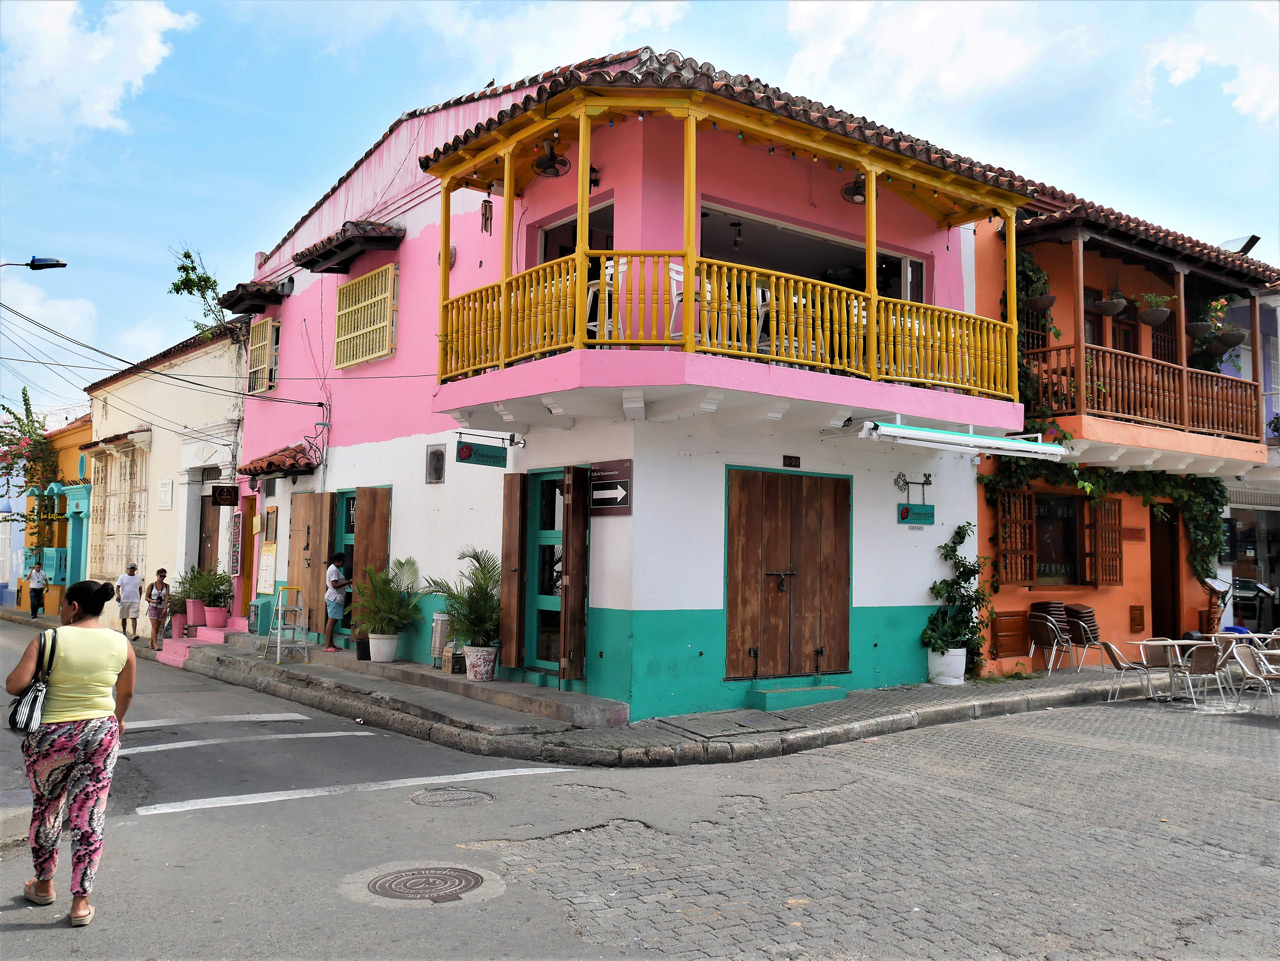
{"points": [[195, 613], [216, 616], [178, 626], [481, 662]]}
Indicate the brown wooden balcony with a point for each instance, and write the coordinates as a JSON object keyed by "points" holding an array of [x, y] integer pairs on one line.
{"points": [[1124, 386]]}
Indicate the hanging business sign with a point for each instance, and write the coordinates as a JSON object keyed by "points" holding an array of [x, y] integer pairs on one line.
{"points": [[486, 455], [237, 526], [611, 488], [225, 495], [915, 514]]}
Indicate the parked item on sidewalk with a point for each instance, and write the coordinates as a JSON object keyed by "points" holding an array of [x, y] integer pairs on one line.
{"points": [[71, 756], [26, 709]]}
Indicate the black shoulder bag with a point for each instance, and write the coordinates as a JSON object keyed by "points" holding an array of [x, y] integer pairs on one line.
{"points": [[26, 708]]}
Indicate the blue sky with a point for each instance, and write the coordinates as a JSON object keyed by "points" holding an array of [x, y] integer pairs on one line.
{"points": [[128, 129]]}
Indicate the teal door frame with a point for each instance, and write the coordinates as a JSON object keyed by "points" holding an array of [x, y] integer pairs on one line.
{"points": [[344, 539], [544, 561]]}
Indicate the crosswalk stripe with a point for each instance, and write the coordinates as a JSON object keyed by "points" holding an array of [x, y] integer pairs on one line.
{"points": [[213, 719], [128, 751], [236, 800]]}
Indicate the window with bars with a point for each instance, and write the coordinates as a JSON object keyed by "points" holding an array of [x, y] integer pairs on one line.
{"points": [[366, 322], [264, 354], [1062, 539], [118, 514]]}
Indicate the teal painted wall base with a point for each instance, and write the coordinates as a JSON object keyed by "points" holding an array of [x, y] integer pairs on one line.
{"points": [[782, 698]]}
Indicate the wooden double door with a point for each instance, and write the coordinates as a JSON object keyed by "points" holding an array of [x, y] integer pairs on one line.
{"points": [[788, 573]]}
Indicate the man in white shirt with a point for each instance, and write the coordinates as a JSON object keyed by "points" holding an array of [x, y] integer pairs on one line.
{"points": [[37, 581], [335, 596], [129, 596]]}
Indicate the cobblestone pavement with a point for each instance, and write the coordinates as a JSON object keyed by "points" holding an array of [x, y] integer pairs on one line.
{"points": [[1133, 830]]}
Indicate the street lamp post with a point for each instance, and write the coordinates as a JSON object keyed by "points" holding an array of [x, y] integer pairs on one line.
{"points": [[37, 263]]}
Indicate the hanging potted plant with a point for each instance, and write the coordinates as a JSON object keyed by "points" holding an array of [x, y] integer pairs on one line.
{"points": [[1230, 336], [1154, 310], [954, 633], [386, 602], [1112, 305], [473, 607]]}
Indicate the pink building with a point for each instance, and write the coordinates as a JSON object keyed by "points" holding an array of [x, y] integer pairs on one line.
{"points": [[730, 333]]}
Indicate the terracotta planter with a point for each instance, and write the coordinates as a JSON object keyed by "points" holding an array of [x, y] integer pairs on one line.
{"points": [[1198, 329], [195, 613], [1232, 337], [1041, 303], [178, 626], [481, 662], [1153, 316], [1109, 308], [216, 616], [382, 647], [947, 668]]}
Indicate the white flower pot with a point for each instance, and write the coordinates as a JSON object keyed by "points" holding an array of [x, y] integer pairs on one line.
{"points": [[382, 647], [481, 662], [947, 668]]}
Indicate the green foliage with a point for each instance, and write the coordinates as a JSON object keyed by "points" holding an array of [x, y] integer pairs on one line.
{"points": [[1200, 500], [207, 584], [473, 603], [195, 280], [1214, 313], [1273, 425], [1156, 300], [966, 609], [386, 602]]}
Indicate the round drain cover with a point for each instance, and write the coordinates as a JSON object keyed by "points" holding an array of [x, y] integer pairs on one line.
{"points": [[451, 797], [426, 884]]}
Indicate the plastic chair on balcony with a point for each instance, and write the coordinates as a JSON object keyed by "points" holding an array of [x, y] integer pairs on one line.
{"points": [[594, 299]]}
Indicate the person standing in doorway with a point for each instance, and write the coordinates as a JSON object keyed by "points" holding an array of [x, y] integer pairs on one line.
{"points": [[157, 606], [129, 596], [37, 581], [335, 596]]}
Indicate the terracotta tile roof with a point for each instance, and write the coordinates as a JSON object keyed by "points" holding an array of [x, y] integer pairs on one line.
{"points": [[114, 438], [286, 460], [1054, 208], [670, 71], [251, 296], [80, 421], [192, 343], [335, 254]]}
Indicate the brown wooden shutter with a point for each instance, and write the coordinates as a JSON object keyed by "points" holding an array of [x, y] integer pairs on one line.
{"points": [[1016, 537], [1009, 636], [515, 494], [1104, 545], [373, 535], [573, 589], [301, 520]]}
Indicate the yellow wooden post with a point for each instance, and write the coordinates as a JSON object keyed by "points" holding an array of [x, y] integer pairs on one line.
{"points": [[689, 310], [1011, 298], [445, 334], [873, 295], [508, 221], [584, 218]]}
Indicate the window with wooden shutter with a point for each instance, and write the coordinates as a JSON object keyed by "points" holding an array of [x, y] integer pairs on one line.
{"points": [[1105, 548], [264, 354], [366, 317], [1015, 536]]}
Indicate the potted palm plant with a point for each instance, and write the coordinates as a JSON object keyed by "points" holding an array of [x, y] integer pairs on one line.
{"points": [[386, 602], [188, 590], [473, 606]]}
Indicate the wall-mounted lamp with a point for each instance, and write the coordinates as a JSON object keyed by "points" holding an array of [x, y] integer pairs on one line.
{"points": [[594, 180], [737, 233]]}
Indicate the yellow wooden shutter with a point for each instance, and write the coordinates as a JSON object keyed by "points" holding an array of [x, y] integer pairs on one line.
{"points": [[366, 317], [261, 355]]}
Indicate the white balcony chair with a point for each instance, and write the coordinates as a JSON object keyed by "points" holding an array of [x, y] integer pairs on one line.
{"points": [[594, 300]]}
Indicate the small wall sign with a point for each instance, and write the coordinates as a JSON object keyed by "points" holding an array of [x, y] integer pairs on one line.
{"points": [[610, 488], [915, 514], [486, 455], [165, 501]]}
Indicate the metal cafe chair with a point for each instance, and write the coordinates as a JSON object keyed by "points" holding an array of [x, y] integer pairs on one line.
{"points": [[1202, 664], [1256, 674], [1125, 666], [1080, 635], [1045, 633]]}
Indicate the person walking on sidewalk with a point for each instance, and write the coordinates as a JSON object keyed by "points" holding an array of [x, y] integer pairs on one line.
{"points": [[71, 756], [335, 596], [157, 605], [129, 596], [37, 581]]}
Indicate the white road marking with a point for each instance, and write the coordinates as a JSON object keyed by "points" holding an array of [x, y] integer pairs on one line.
{"points": [[215, 719], [236, 800], [125, 752]]}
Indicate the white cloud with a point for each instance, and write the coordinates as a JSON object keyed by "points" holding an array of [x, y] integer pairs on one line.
{"points": [[1234, 36], [144, 339], [76, 318], [62, 73]]}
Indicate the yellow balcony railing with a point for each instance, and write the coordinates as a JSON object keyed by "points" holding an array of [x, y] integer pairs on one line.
{"points": [[647, 299]]}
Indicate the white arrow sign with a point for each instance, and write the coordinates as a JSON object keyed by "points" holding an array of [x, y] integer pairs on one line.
{"points": [[616, 493]]}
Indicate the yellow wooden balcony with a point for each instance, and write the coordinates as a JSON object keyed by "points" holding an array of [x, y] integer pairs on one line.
{"points": [[634, 299]]}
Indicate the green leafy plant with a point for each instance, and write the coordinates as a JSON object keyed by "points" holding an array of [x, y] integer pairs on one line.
{"points": [[1156, 300], [195, 280], [28, 459], [209, 585], [473, 603], [386, 602], [179, 593], [1273, 425], [1214, 314], [966, 609]]}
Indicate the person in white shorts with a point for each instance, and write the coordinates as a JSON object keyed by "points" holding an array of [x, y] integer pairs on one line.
{"points": [[129, 596]]}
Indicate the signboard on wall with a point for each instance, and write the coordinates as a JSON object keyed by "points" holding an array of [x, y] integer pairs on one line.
{"points": [[237, 524], [610, 488], [915, 514], [164, 501], [225, 495], [486, 455], [267, 569]]}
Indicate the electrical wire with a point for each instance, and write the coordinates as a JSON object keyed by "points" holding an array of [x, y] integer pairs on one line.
{"points": [[28, 360]]}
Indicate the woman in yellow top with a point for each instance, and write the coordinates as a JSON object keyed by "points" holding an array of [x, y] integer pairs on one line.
{"points": [[71, 756]]}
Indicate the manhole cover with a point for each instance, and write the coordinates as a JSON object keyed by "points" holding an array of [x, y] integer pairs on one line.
{"points": [[451, 797], [426, 884]]}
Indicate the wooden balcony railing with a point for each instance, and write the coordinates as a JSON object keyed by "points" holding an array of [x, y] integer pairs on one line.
{"points": [[640, 299], [1125, 386]]}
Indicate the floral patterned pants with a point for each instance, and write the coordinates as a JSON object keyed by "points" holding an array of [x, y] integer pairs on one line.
{"points": [[70, 766]]}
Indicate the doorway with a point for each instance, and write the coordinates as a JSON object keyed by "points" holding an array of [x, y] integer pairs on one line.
{"points": [[210, 516], [788, 574], [544, 560], [1166, 574]]}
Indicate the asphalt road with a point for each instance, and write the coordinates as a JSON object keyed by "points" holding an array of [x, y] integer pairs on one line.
{"points": [[1135, 830]]}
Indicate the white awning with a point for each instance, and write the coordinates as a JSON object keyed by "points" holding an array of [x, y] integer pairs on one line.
{"points": [[961, 443]]}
